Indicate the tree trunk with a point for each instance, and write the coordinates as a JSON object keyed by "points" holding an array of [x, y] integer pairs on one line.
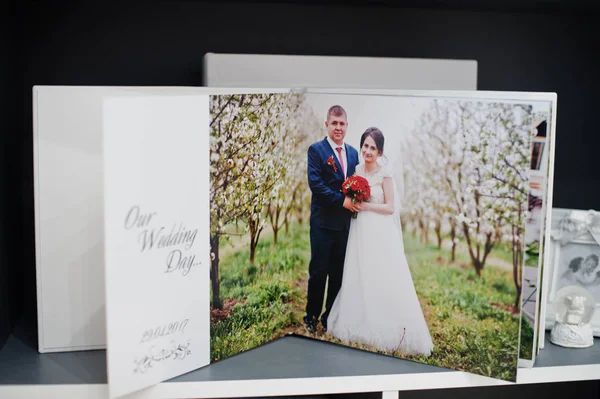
{"points": [[214, 273], [252, 253], [253, 227], [255, 231], [453, 257], [517, 300], [300, 213], [438, 233], [276, 225], [517, 250], [424, 232], [453, 238], [286, 218], [274, 214], [478, 268], [478, 255]]}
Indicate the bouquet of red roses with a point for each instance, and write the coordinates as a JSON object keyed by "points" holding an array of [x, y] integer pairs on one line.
{"points": [[357, 189]]}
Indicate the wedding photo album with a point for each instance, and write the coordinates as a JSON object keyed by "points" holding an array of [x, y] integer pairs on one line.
{"points": [[409, 226], [209, 222]]}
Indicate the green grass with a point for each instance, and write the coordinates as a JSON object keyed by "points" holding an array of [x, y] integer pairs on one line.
{"points": [[469, 316], [526, 348], [502, 251], [500, 255], [270, 298], [532, 254]]}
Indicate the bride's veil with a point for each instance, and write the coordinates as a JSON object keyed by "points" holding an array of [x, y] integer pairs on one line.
{"points": [[396, 170]]}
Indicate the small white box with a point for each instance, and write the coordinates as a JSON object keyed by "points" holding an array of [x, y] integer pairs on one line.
{"points": [[266, 70]]}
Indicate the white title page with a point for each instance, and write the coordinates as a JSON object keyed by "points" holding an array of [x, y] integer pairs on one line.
{"points": [[156, 238]]}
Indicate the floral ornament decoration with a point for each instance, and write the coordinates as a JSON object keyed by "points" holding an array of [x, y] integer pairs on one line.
{"points": [[331, 162], [579, 222], [177, 351]]}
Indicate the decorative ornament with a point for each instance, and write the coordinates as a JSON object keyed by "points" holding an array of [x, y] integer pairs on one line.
{"points": [[574, 306]]}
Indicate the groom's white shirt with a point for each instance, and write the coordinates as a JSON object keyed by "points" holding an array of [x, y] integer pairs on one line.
{"points": [[344, 154]]}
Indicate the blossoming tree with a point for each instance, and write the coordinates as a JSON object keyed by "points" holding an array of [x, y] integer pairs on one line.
{"points": [[468, 165], [243, 134], [503, 149], [288, 197], [253, 166]]}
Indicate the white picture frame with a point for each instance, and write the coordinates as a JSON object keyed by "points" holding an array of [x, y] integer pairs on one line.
{"points": [[560, 255]]}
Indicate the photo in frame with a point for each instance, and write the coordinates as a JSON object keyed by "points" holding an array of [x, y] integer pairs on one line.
{"points": [[574, 258], [442, 280]]}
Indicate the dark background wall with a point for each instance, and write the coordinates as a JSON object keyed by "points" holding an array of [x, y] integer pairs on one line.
{"points": [[519, 45], [8, 307]]}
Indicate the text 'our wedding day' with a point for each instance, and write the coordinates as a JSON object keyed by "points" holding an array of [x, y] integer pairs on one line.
{"points": [[149, 238]]}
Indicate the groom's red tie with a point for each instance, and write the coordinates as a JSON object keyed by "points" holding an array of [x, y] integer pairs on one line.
{"points": [[339, 150]]}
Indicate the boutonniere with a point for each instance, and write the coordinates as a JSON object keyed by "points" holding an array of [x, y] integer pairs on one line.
{"points": [[331, 162]]}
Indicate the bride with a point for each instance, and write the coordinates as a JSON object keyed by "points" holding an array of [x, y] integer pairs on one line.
{"points": [[377, 304]]}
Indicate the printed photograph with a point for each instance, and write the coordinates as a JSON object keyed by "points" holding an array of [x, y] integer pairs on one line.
{"points": [[534, 232], [579, 264], [391, 224]]}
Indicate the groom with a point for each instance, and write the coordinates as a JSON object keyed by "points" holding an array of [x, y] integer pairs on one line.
{"points": [[330, 161]]}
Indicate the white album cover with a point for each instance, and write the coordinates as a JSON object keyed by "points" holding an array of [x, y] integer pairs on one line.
{"points": [[343, 72], [69, 210], [156, 257]]}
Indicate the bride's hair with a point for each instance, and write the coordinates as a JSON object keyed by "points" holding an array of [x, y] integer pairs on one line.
{"points": [[377, 137]]}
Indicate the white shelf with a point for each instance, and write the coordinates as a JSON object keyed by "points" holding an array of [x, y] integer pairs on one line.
{"points": [[291, 366]]}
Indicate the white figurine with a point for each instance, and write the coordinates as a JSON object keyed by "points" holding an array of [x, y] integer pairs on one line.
{"points": [[572, 328], [575, 309]]}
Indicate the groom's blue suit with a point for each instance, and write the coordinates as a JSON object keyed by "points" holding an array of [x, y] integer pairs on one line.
{"points": [[329, 226]]}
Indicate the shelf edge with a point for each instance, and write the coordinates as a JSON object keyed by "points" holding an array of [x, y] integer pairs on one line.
{"points": [[306, 386]]}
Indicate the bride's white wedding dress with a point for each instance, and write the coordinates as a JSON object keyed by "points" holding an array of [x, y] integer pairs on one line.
{"points": [[377, 304]]}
